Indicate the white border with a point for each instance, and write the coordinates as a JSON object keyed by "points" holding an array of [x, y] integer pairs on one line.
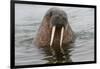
{"points": [[5, 34]]}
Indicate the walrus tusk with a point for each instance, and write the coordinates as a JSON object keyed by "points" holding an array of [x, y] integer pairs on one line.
{"points": [[62, 32], [52, 35], [61, 37], [51, 40]]}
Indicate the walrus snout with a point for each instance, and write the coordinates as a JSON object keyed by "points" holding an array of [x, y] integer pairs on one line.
{"points": [[58, 21]]}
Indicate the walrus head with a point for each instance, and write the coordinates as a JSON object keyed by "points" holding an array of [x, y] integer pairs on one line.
{"points": [[58, 21], [54, 29]]}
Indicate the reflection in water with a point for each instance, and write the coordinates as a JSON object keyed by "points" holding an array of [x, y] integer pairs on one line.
{"points": [[59, 57]]}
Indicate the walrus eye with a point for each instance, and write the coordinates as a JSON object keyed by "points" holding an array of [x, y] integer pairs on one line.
{"points": [[50, 14], [64, 18]]}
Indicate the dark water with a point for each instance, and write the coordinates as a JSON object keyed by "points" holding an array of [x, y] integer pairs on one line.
{"points": [[28, 19]]}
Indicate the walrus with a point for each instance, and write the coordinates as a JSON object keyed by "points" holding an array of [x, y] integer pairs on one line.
{"points": [[55, 30]]}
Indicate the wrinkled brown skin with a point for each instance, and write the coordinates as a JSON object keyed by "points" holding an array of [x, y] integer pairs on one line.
{"points": [[43, 36]]}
